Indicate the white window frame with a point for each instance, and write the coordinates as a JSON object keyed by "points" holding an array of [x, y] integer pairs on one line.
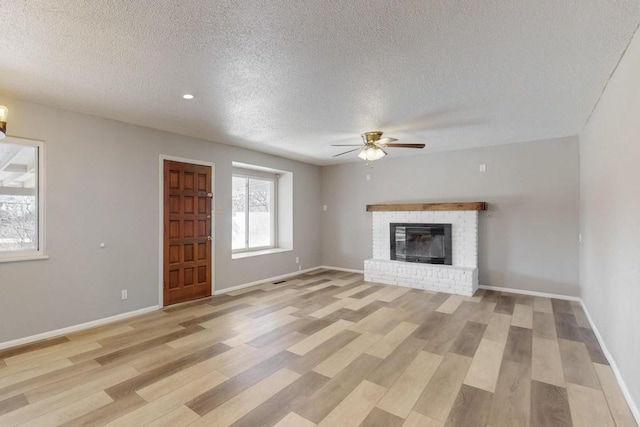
{"points": [[40, 252], [274, 212]]}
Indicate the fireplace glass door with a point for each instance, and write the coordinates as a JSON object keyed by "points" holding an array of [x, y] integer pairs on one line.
{"points": [[425, 243]]}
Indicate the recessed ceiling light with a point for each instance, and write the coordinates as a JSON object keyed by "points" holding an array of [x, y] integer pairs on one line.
{"points": [[187, 96]]}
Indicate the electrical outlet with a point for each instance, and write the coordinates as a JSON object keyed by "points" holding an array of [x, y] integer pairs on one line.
{"points": [[297, 260], [124, 294], [324, 208], [483, 168], [299, 268]]}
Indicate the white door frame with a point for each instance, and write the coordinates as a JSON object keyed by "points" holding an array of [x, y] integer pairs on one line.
{"points": [[164, 157]]}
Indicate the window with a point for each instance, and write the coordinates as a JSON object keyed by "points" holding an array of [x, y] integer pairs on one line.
{"points": [[254, 211], [21, 195], [262, 211]]}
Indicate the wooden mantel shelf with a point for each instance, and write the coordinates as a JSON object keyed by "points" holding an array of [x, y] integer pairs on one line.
{"points": [[461, 206]]}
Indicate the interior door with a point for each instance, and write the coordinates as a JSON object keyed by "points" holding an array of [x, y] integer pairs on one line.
{"points": [[187, 232]]}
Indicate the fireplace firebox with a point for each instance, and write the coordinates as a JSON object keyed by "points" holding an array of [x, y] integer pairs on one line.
{"points": [[425, 243]]}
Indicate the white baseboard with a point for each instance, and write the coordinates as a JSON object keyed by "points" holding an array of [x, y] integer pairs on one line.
{"points": [[76, 328], [616, 372], [263, 281], [531, 293], [117, 317], [348, 270]]}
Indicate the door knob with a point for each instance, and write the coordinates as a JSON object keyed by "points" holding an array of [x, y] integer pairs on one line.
{"points": [[209, 238], [209, 195]]}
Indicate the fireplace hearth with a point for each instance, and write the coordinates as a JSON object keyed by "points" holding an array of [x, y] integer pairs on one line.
{"points": [[424, 243]]}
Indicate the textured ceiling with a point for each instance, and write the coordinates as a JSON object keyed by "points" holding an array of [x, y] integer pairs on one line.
{"points": [[292, 77]]}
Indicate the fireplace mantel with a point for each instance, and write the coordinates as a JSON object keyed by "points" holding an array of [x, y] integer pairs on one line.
{"points": [[414, 207]]}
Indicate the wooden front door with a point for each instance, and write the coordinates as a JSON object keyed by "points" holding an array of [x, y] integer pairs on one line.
{"points": [[187, 232]]}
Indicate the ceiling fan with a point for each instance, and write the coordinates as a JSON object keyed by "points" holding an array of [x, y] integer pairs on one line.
{"points": [[373, 144]]}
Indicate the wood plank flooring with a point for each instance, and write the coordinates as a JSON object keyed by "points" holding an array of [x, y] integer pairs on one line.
{"points": [[327, 349]]}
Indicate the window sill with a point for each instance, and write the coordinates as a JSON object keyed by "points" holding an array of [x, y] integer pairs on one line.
{"points": [[24, 258], [249, 254]]}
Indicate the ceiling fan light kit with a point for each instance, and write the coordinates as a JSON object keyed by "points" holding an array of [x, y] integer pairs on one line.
{"points": [[371, 153], [372, 146]]}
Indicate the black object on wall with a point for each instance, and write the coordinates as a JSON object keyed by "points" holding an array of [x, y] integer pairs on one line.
{"points": [[425, 243]]}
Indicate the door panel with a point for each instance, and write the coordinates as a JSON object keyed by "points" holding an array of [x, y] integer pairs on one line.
{"points": [[187, 227]]}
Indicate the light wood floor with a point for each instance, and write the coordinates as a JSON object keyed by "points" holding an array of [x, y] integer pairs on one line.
{"points": [[323, 349]]}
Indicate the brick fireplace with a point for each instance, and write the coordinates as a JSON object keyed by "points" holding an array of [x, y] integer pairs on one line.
{"points": [[461, 277]]}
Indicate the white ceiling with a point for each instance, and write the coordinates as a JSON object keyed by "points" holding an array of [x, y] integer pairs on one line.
{"points": [[292, 77]]}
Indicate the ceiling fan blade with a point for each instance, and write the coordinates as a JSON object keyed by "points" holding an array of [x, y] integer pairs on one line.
{"points": [[386, 140], [405, 145], [346, 152], [346, 145]]}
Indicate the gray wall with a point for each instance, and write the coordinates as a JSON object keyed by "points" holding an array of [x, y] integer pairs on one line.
{"points": [[102, 186], [528, 238], [610, 217]]}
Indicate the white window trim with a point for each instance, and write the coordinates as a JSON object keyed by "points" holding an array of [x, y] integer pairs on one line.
{"points": [[40, 253], [249, 254], [273, 247]]}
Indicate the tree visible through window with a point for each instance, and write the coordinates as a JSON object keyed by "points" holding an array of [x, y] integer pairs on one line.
{"points": [[19, 192], [17, 223], [253, 213]]}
